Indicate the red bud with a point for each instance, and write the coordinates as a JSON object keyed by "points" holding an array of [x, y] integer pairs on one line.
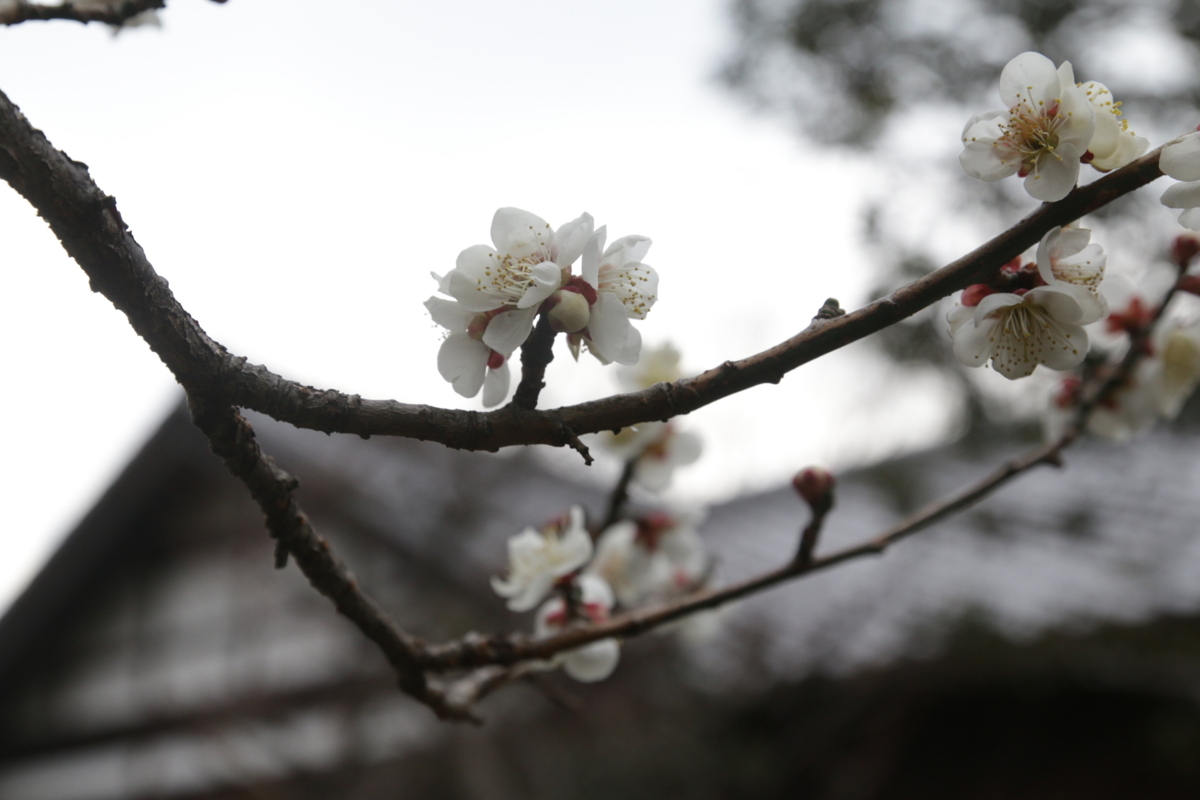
{"points": [[973, 294], [1185, 247], [1190, 284], [815, 486]]}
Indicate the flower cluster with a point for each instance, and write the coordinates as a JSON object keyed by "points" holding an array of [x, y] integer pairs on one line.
{"points": [[649, 559], [1049, 127], [1180, 160], [1033, 313], [497, 291], [1165, 376]]}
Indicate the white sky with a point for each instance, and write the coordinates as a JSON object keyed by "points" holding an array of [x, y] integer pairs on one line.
{"points": [[295, 169]]}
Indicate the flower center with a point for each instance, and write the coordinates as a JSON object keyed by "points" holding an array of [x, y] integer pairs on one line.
{"points": [[1023, 321], [509, 277], [1032, 133]]}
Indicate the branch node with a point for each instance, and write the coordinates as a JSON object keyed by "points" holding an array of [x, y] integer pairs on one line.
{"points": [[831, 309]]}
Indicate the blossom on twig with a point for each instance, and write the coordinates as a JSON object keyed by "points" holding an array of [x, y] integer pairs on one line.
{"points": [[538, 559], [463, 359], [1113, 145], [659, 449], [1034, 313], [1065, 258], [597, 660], [618, 287], [655, 558], [1180, 160], [1042, 135]]}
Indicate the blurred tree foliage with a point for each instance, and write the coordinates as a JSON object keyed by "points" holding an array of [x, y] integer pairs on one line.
{"points": [[895, 80], [846, 67]]}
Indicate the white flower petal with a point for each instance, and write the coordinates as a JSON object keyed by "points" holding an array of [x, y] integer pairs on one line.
{"points": [[462, 361], [972, 343], [1055, 177], [508, 330], [609, 327], [1182, 195], [992, 302], [1190, 219], [593, 662], [570, 239], [1029, 78], [590, 266], [632, 351], [495, 386], [519, 233], [1181, 158], [547, 277], [448, 313], [468, 291]]}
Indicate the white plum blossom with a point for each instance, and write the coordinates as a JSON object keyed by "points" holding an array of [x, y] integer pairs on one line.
{"points": [[1042, 135], [657, 365], [659, 447], [1017, 332], [510, 281], [1159, 387], [618, 287], [1065, 258], [1113, 145], [539, 558], [655, 558], [1175, 366], [592, 662], [464, 360], [1033, 314], [1180, 160]]}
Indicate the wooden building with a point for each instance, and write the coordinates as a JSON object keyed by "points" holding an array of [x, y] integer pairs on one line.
{"points": [[1045, 644]]}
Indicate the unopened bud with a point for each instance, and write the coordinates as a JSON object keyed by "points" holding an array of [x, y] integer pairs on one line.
{"points": [[495, 360], [569, 311], [815, 486], [1185, 247], [1190, 284], [973, 294]]}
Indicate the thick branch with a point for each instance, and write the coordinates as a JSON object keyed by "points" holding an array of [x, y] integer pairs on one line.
{"points": [[88, 225], [116, 14], [232, 438]]}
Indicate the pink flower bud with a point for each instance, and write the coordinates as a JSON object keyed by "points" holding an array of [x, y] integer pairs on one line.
{"points": [[495, 360], [1185, 247], [815, 486], [973, 294], [569, 311]]}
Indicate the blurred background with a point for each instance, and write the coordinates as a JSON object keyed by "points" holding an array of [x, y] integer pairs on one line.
{"points": [[296, 170]]}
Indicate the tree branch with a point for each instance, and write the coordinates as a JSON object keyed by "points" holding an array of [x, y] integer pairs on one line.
{"points": [[87, 223], [116, 14], [232, 438]]}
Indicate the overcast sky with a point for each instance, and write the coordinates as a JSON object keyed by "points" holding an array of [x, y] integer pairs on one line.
{"points": [[295, 170]]}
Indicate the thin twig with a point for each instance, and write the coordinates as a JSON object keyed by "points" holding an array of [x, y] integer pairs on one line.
{"points": [[810, 535], [456, 655], [536, 355], [620, 493]]}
